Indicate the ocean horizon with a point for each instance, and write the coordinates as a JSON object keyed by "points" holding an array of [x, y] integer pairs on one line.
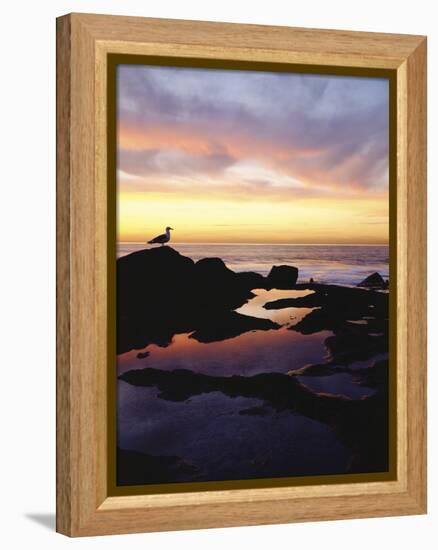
{"points": [[345, 264]]}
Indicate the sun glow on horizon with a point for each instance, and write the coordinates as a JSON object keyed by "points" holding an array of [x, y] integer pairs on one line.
{"points": [[202, 220], [244, 157]]}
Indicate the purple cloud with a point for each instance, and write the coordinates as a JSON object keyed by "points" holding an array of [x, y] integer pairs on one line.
{"points": [[330, 130]]}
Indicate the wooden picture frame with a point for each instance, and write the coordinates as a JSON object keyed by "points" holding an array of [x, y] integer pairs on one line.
{"points": [[84, 506]]}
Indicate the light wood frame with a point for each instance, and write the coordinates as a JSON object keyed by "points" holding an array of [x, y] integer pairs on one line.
{"points": [[83, 504]]}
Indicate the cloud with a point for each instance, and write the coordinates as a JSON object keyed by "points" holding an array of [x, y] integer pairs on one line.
{"points": [[172, 161], [263, 132]]}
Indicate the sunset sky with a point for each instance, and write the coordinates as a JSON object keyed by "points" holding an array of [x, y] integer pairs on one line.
{"points": [[239, 156]]}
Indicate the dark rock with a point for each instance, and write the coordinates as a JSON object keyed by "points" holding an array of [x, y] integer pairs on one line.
{"points": [[375, 280], [282, 276], [335, 296], [136, 468], [214, 268], [143, 355], [358, 318], [251, 280], [161, 293], [375, 376], [229, 325], [152, 280], [217, 286], [280, 390], [333, 306], [321, 319], [255, 411], [346, 346], [319, 369], [309, 301]]}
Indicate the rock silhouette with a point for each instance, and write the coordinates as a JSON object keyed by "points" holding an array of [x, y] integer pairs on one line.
{"points": [[358, 318], [335, 305], [375, 280], [161, 293], [282, 276]]}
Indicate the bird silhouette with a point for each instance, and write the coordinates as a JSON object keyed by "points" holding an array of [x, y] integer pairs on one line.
{"points": [[162, 239]]}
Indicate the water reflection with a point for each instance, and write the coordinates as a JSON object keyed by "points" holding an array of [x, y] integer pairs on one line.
{"points": [[336, 384], [285, 316], [210, 432], [226, 437], [251, 353]]}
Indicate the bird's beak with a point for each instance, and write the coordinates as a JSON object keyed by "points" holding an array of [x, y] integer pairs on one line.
{"points": [[172, 228]]}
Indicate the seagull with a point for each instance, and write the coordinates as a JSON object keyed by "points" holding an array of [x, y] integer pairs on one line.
{"points": [[162, 239]]}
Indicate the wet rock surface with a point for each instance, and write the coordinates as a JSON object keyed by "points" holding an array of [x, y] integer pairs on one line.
{"points": [[358, 318], [161, 293], [138, 468], [360, 424]]}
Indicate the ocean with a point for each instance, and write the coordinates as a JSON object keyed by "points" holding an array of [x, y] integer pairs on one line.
{"points": [[336, 264]]}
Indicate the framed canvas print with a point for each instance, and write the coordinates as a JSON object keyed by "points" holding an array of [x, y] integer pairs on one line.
{"points": [[241, 274]]}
